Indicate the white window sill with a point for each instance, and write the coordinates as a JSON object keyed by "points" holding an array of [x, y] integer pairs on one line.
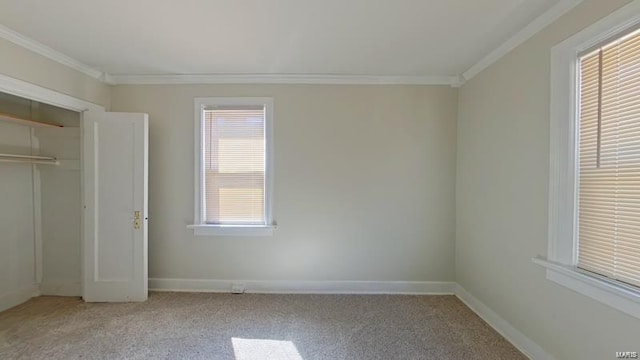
{"points": [[232, 230], [618, 296]]}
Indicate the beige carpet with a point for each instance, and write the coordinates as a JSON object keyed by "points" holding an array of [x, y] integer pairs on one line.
{"points": [[249, 326]]}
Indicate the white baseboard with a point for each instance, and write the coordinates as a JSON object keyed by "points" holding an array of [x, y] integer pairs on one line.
{"points": [[519, 340], [17, 297], [61, 288], [306, 287]]}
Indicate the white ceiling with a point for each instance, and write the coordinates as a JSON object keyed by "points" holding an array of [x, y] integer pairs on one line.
{"points": [[337, 37]]}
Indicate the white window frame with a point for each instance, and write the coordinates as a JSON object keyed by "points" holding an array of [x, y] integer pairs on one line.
{"points": [[200, 227], [562, 256]]}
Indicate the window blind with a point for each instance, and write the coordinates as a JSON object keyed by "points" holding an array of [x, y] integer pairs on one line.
{"points": [[234, 165], [609, 161]]}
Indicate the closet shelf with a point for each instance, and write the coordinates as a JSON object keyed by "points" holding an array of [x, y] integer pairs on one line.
{"points": [[21, 121], [30, 159]]}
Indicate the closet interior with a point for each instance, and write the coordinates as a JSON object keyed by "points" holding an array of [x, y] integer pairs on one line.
{"points": [[40, 200]]}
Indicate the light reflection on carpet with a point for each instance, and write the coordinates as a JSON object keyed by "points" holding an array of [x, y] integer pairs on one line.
{"points": [[264, 349]]}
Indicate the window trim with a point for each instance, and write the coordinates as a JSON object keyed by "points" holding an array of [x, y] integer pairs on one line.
{"points": [[561, 259], [199, 227]]}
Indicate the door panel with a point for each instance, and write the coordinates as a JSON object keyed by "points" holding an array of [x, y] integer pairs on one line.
{"points": [[115, 246], [115, 254]]}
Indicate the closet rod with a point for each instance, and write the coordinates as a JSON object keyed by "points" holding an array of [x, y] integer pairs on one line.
{"points": [[32, 159]]}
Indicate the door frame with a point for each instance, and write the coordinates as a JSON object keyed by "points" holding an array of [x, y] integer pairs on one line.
{"points": [[40, 94]]}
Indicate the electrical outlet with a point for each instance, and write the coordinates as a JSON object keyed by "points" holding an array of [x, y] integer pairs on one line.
{"points": [[237, 288]]}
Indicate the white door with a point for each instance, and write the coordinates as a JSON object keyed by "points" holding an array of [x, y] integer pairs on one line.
{"points": [[115, 152]]}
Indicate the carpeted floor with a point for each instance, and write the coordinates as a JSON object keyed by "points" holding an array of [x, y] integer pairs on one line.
{"points": [[251, 326]]}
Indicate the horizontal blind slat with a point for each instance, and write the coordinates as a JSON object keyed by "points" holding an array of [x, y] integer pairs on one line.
{"points": [[609, 161], [234, 164]]}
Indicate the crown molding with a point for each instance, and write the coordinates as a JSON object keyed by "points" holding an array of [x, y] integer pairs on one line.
{"points": [[284, 79], [457, 81], [521, 36], [38, 48], [107, 79], [30, 44]]}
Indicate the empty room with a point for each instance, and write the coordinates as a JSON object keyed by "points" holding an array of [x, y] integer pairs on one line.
{"points": [[303, 180]]}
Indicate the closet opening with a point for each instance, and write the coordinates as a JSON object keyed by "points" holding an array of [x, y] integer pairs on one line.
{"points": [[73, 198], [40, 200]]}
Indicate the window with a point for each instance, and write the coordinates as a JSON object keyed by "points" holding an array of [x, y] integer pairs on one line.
{"points": [[609, 160], [233, 176], [594, 186]]}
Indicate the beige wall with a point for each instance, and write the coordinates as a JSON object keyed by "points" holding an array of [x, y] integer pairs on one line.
{"points": [[20, 63], [60, 206], [17, 275], [502, 185], [364, 184]]}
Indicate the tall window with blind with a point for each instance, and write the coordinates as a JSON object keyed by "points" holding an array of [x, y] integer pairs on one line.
{"points": [[233, 159], [609, 160]]}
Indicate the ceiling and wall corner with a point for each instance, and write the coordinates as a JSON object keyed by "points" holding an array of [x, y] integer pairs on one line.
{"points": [[521, 36], [21, 64], [520, 18], [50, 53]]}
